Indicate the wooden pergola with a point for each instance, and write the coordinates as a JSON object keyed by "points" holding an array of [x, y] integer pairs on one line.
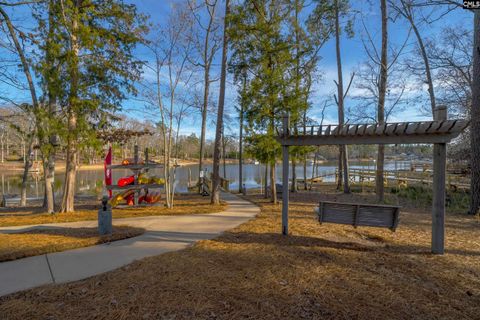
{"points": [[438, 132]]}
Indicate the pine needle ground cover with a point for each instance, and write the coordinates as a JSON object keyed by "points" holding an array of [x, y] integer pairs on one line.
{"points": [[47, 240], [184, 204], [318, 272]]}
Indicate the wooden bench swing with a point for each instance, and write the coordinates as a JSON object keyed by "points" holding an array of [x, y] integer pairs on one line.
{"points": [[368, 215], [438, 132]]}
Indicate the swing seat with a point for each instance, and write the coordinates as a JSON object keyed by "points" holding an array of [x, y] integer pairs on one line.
{"points": [[368, 215]]}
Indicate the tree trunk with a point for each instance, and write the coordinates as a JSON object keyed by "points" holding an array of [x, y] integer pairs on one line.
{"points": [[343, 162], [265, 182], [71, 167], [475, 121], [273, 185], [204, 122], [221, 103], [305, 155], [27, 166], [382, 90], [294, 176], [49, 174], [68, 198], [240, 145], [340, 168], [346, 182], [224, 155], [48, 148], [314, 164], [305, 186], [407, 13]]}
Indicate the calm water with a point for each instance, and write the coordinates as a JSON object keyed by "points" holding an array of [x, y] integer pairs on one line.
{"points": [[90, 182]]}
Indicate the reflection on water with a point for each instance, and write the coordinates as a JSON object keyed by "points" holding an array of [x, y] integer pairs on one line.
{"points": [[90, 182]]}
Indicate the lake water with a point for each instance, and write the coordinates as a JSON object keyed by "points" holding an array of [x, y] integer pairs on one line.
{"points": [[90, 182]]}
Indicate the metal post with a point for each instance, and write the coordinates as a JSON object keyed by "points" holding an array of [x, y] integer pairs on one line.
{"points": [[285, 177], [135, 160], [439, 172]]}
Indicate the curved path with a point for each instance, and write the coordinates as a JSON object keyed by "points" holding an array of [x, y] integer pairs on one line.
{"points": [[163, 234]]}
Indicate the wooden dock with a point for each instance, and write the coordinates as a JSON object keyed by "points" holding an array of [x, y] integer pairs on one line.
{"points": [[403, 178]]}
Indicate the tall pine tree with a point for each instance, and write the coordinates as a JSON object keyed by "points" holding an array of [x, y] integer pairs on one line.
{"points": [[96, 70]]}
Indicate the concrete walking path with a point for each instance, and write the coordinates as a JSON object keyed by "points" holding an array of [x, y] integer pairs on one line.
{"points": [[163, 234]]}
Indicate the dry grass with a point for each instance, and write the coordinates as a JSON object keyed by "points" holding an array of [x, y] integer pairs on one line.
{"points": [[47, 240], [185, 204], [253, 272]]}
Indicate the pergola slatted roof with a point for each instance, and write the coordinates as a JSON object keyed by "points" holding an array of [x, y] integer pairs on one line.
{"points": [[438, 132], [388, 133]]}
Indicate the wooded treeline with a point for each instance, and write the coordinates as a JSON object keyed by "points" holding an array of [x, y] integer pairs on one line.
{"points": [[80, 60], [277, 56]]}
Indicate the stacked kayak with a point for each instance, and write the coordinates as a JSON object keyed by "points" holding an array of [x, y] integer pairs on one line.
{"points": [[137, 188]]}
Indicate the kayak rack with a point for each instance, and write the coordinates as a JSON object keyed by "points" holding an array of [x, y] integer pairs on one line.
{"points": [[137, 168]]}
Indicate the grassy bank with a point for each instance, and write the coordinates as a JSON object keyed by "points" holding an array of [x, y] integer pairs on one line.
{"points": [[40, 241], [185, 204], [317, 272]]}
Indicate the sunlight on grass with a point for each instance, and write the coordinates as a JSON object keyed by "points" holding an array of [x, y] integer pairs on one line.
{"points": [[191, 204], [40, 241], [318, 272]]}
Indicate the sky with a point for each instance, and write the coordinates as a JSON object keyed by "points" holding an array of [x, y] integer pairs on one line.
{"points": [[353, 54]]}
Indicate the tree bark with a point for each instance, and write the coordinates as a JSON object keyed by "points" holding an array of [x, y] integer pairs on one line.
{"points": [[305, 155], [49, 174], [33, 94], [48, 148], [294, 176], [340, 101], [221, 103], [273, 186], [204, 122], [224, 156], [475, 121], [26, 168], [265, 182], [240, 141], [68, 198], [340, 168], [382, 90], [207, 60], [407, 13]]}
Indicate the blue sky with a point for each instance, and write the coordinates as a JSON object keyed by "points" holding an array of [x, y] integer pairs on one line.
{"points": [[352, 55]]}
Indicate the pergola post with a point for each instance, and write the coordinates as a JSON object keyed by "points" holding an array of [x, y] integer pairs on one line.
{"points": [[285, 174], [439, 173]]}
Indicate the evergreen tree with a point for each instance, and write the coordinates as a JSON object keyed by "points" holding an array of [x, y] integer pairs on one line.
{"points": [[258, 34], [95, 70]]}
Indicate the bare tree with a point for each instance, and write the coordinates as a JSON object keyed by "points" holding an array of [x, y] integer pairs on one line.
{"points": [[452, 64], [221, 104], [475, 120], [206, 43], [340, 101], [171, 50], [410, 10], [35, 107], [381, 93], [382, 90]]}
